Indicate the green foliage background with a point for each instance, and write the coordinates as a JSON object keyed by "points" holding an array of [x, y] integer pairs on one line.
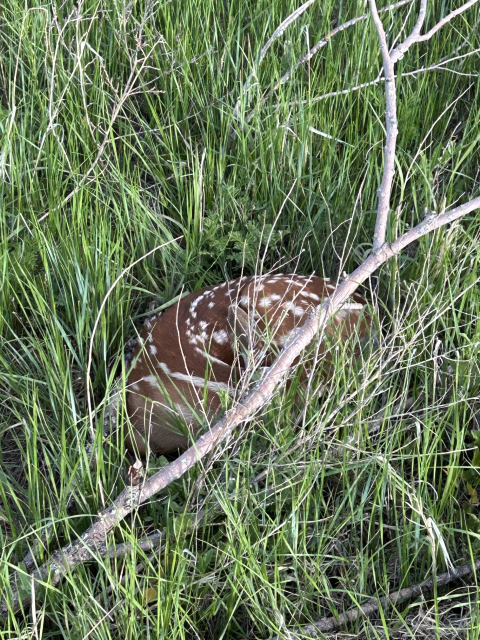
{"points": [[116, 135]]}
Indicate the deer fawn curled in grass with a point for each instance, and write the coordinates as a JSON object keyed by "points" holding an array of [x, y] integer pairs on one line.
{"points": [[187, 356]]}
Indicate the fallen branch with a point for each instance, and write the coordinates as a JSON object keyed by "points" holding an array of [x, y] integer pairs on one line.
{"points": [[374, 604], [145, 544], [86, 546]]}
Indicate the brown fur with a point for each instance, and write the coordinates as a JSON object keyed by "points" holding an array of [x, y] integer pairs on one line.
{"points": [[194, 341]]}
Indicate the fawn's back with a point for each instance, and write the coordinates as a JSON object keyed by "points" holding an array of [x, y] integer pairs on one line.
{"points": [[200, 346]]}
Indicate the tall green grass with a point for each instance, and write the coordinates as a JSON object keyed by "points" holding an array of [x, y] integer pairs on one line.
{"points": [[117, 134]]}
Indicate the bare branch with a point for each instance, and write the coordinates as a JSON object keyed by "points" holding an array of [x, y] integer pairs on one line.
{"points": [[247, 85], [282, 27], [439, 66], [445, 20], [395, 55], [374, 604], [400, 51], [385, 190]]}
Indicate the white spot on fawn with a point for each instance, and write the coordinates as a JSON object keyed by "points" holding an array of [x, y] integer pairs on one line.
{"points": [[194, 380], [193, 306], [312, 296], [282, 340], [220, 337], [267, 300], [152, 381], [153, 350], [291, 306], [211, 358], [298, 311]]}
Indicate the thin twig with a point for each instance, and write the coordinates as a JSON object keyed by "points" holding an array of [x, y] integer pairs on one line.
{"points": [[402, 48], [399, 52], [375, 604], [247, 85], [445, 20], [282, 27], [371, 83], [326, 39], [395, 55]]}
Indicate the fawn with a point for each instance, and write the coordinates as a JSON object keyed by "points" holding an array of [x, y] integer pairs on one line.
{"points": [[187, 356]]}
